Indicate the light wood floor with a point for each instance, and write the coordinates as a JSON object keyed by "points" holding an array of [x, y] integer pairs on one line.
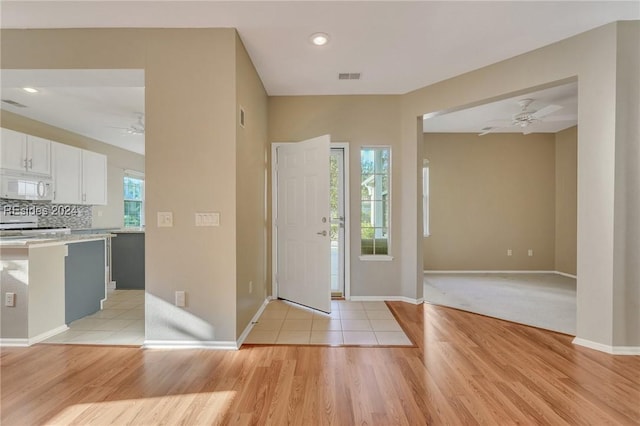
{"points": [[467, 369]]}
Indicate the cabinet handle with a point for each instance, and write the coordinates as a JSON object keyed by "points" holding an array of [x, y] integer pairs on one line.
{"points": [[31, 163], [25, 163]]}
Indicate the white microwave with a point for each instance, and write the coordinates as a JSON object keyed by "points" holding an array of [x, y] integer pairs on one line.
{"points": [[21, 187]]}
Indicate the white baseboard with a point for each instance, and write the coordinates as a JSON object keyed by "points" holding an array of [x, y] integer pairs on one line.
{"points": [[613, 350], [255, 318], [564, 274], [386, 298], [44, 336], [436, 272], [37, 339], [190, 344], [14, 343]]}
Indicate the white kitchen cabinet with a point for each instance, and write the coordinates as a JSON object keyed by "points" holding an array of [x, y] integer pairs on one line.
{"points": [[67, 174], [14, 146], [94, 178], [80, 176], [25, 153]]}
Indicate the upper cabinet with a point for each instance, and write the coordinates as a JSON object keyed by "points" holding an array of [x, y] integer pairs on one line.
{"points": [[25, 153], [80, 176], [94, 178], [67, 174]]}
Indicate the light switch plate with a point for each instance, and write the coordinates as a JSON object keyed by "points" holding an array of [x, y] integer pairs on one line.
{"points": [[165, 219], [10, 299], [207, 219]]}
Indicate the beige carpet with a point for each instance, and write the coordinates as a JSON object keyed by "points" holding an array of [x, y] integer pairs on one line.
{"points": [[541, 300]]}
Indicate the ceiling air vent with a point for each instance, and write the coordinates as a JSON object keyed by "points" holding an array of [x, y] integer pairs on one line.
{"points": [[13, 103], [349, 76]]}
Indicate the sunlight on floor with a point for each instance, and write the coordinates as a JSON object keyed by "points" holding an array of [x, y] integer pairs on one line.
{"points": [[214, 407]]}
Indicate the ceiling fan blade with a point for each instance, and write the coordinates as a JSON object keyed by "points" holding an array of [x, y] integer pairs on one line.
{"points": [[565, 117], [487, 130], [549, 109]]}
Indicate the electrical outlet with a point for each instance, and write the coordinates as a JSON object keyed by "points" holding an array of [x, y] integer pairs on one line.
{"points": [[180, 299], [509, 252], [530, 252], [250, 286], [10, 299]]}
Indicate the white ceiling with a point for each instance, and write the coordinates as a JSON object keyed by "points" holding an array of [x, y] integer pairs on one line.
{"points": [[397, 46]]}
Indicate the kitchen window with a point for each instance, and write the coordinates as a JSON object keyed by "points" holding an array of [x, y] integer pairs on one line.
{"points": [[133, 200], [375, 203]]}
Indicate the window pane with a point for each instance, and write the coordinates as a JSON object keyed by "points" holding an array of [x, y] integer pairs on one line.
{"points": [[333, 187], [365, 215], [132, 213], [380, 246], [382, 161], [367, 240], [133, 188]]}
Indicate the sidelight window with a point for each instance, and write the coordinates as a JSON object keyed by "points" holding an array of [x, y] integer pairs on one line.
{"points": [[375, 201]]}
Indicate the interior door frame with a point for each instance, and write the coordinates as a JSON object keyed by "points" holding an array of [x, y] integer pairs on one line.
{"points": [[274, 215]]}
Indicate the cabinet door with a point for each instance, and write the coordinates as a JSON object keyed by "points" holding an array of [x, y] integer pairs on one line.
{"points": [[67, 174], [14, 150], [94, 178], [38, 155]]}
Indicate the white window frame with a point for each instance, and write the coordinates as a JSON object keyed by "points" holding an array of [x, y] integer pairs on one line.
{"points": [[376, 257], [425, 197], [135, 175]]}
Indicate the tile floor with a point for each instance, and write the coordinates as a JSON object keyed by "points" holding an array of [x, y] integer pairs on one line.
{"points": [[349, 323], [120, 322]]}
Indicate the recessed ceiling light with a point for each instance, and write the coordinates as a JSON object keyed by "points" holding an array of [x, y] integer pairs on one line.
{"points": [[319, 39], [30, 90]]}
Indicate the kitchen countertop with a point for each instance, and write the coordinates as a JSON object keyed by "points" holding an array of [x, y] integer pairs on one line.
{"points": [[109, 230], [29, 242], [129, 231]]}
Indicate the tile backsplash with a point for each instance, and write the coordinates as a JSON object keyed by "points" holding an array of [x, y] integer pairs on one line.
{"points": [[59, 215]]}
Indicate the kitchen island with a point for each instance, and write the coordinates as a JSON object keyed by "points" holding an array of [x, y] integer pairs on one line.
{"points": [[55, 280]]}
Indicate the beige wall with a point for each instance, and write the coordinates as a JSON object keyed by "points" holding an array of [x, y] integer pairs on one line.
{"points": [[118, 160], [360, 121], [566, 154], [251, 145], [603, 61], [489, 194]]}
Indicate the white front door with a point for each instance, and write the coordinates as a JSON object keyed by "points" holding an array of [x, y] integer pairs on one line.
{"points": [[303, 223]]}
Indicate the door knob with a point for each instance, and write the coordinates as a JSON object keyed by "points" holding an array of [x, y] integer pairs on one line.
{"points": [[323, 233]]}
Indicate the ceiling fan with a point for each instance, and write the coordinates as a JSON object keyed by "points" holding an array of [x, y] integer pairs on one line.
{"points": [[526, 118], [136, 128]]}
